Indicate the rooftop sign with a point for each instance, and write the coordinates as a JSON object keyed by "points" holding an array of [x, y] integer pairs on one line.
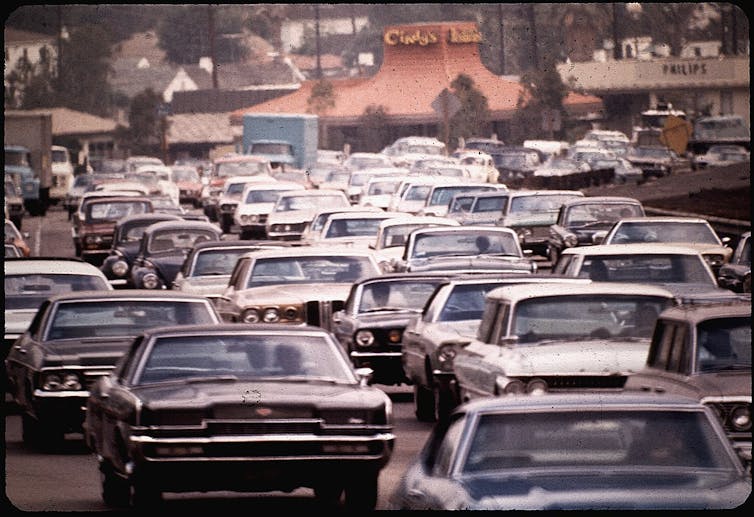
{"points": [[423, 38]]}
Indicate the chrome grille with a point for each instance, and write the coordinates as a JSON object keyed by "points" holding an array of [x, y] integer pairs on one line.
{"points": [[319, 313], [579, 382], [258, 427]]}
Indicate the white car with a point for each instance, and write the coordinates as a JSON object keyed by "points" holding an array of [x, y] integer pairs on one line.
{"points": [[30, 281], [357, 181], [412, 194], [379, 190], [440, 196], [255, 205], [480, 165], [294, 210], [231, 195], [353, 229], [392, 233], [313, 229]]}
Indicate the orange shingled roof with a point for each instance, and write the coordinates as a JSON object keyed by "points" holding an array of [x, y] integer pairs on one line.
{"points": [[419, 61]]}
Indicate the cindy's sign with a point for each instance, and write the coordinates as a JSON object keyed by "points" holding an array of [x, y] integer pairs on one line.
{"points": [[424, 38]]}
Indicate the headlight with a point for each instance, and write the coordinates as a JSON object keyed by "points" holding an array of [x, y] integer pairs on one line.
{"points": [[61, 382], [92, 239], [570, 240], [714, 259], [536, 386], [290, 313], [446, 353], [250, 316], [511, 386], [150, 281], [364, 338], [740, 418], [271, 315], [119, 268]]}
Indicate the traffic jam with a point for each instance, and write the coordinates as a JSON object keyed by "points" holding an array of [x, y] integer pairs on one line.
{"points": [[478, 323]]}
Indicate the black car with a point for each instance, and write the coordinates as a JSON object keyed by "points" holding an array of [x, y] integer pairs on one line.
{"points": [[163, 249], [126, 241], [736, 274], [580, 219], [74, 339], [370, 327], [246, 408]]}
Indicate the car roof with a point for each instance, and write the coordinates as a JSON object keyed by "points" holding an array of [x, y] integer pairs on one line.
{"points": [[364, 213], [313, 251], [583, 401], [663, 219], [463, 229], [486, 277], [528, 291], [701, 312], [603, 199], [643, 248], [152, 216], [517, 193], [51, 265], [224, 328], [314, 192], [218, 244], [418, 219], [273, 184], [188, 224], [125, 294]]}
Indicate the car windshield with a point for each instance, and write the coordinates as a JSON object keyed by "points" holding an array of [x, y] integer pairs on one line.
{"points": [[338, 176], [244, 356], [133, 232], [490, 204], [28, 291], [188, 174], [263, 196], [724, 343], [217, 261], [393, 236], [225, 170], [396, 295], [609, 438], [122, 318], [586, 214], [464, 244], [314, 269], [113, 211], [675, 231], [353, 227], [178, 239], [293, 203], [599, 316], [378, 188], [647, 268], [466, 302], [441, 196]]}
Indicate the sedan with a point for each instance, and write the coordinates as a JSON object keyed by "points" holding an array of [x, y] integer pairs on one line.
{"points": [[126, 240], [253, 408], [464, 248], [75, 339], [370, 327], [163, 249], [692, 232], [591, 451]]}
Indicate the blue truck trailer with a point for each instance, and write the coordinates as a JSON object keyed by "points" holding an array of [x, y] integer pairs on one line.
{"points": [[286, 140]]}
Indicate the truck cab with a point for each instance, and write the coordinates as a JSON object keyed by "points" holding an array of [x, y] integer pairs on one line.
{"points": [[279, 153], [18, 168], [62, 173]]}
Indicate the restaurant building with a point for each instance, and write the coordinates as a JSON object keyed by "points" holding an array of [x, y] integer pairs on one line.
{"points": [[420, 62]]}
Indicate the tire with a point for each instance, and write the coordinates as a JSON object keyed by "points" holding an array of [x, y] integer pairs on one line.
{"points": [[361, 492], [328, 493], [145, 496], [116, 491], [424, 403], [29, 430]]}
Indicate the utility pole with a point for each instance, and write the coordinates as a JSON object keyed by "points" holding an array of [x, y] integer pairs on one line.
{"points": [[316, 28], [617, 50], [533, 24], [211, 22], [502, 39], [60, 49]]}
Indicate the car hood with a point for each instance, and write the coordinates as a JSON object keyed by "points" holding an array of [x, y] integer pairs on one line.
{"points": [[204, 285], [18, 320], [254, 208], [728, 383], [594, 357], [390, 319], [260, 399], [86, 352], [291, 217], [106, 227], [628, 489], [169, 264], [293, 293], [129, 250], [481, 262]]}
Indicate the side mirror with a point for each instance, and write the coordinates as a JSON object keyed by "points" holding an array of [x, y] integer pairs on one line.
{"points": [[364, 375]]}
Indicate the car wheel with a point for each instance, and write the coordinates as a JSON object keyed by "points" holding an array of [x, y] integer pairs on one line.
{"points": [[361, 492], [328, 493], [424, 403], [116, 491], [145, 496], [29, 430], [445, 402]]}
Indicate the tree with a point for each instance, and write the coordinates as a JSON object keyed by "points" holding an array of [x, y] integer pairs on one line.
{"points": [[472, 118], [144, 132], [322, 97], [372, 130], [543, 90]]}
